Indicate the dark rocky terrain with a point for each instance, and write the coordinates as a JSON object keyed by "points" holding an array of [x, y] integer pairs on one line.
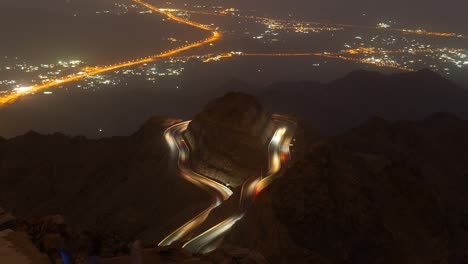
{"points": [[382, 192]]}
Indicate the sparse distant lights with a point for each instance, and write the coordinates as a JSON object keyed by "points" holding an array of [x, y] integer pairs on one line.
{"points": [[383, 25], [76, 62], [48, 92]]}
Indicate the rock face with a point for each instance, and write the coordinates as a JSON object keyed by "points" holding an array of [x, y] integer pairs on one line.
{"points": [[16, 248], [228, 139], [382, 193], [7, 220]]}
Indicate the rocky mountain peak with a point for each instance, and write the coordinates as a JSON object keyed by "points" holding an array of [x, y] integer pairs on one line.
{"points": [[234, 131], [235, 110]]}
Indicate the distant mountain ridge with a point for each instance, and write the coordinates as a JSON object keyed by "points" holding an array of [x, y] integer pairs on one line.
{"points": [[346, 102]]}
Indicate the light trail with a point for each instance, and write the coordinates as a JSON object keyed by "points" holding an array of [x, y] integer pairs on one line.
{"points": [[279, 144], [275, 54], [174, 138], [218, 57], [89, 71], [208, 240], [306, 28], [428, 33]]}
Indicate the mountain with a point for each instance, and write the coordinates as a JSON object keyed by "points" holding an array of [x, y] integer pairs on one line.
{"points": [[385, 192], [347, 102], [229, 138]]}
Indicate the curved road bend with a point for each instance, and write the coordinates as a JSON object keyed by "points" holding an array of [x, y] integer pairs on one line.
{"points": [[219, 192], [208, 240]]}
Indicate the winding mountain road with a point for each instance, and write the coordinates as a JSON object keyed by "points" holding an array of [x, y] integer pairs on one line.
{"points": [[278, 150], [219, 192]]}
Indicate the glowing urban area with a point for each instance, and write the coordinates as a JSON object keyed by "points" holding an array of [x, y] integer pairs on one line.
{"points": [[385, 44]]}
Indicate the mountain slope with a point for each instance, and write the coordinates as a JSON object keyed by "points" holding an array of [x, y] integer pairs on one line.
{"points": [[381, 193]]}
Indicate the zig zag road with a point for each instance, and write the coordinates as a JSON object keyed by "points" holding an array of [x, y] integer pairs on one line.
{"points": [[219, 192], [207, 241]]}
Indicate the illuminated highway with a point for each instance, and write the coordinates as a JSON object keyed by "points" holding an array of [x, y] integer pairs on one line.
{"points": [[278, 151], [215, 35]]}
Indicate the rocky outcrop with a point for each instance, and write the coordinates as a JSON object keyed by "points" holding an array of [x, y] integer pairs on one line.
{"points": [[228, 139], [15, 247], [7, 220]]}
